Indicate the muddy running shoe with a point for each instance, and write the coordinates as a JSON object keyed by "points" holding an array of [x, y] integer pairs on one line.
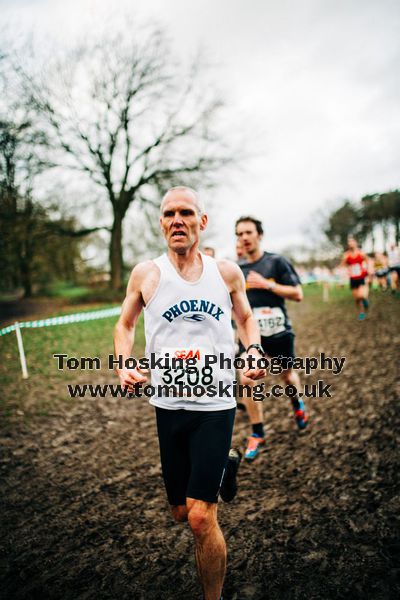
{"points": [[253, 447], [361, 316], [229, 486], [301, 416]]}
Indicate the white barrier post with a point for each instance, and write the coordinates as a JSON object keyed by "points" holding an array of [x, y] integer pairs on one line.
{"points": [[21, 351], [325, 291]]}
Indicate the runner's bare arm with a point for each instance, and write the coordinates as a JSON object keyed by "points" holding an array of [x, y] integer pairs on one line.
{"points": [[124, 332], [249, 332], [289, 292], [343, 262]]}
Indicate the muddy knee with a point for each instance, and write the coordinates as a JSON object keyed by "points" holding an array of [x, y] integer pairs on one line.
{"points": [[200, 520]]}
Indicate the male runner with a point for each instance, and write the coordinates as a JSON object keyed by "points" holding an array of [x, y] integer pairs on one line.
{"points": [[240, 260], [357, 266], [187, 299], [240, 253], [380, 270], [394, 267], [209, 251], [270, 280]]}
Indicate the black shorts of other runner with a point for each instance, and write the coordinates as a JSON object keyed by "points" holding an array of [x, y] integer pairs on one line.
{"points": [[356, 282], [396, 269], [381, 272], [194, 448], [282, 346]]}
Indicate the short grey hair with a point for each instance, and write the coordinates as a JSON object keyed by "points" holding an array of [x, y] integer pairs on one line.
{"points": [[184, 188]]}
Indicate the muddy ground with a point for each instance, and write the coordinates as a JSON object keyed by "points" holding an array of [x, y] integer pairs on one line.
{"points": [[17, 310], [83, 511]]}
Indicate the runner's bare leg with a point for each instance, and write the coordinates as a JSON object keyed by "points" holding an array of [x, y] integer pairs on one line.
{"points": [[210, 548]]}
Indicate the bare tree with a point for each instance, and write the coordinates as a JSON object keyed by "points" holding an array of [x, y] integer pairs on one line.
{"points": [[116, 110], [28, 234]]}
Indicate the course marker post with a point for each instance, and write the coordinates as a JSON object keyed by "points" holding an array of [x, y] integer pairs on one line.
{"points": [[21, 351], [325, 291]]}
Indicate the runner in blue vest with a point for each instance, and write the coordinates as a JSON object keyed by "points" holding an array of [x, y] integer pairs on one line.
{"points": [[270, 280]]}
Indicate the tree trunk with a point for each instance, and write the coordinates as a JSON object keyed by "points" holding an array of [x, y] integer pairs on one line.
{"points": [[26, 274], [385, 234], [27, 248], [373, 239], [116, 264]]}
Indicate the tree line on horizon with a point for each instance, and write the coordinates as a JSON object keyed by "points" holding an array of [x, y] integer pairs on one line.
{"points": [[364, 220]]}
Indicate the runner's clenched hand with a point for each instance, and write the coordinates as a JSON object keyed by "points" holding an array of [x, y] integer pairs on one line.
{"points": [[255, 372], [255, 280], [130, 377]]}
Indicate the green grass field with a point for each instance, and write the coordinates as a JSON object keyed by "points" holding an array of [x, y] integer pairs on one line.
{"points": [[79, 294], [85, 339], [90, 338]]}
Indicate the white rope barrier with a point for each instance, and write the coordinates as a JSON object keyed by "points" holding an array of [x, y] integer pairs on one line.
{"points": [[64, 320]]}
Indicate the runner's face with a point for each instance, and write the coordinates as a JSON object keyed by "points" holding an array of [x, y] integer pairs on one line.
{"points": [[351, 244], [239, 249], [180, 221], [246, 233]]}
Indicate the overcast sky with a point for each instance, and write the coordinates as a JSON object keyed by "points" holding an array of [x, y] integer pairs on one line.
{"points": [[315, 81]]}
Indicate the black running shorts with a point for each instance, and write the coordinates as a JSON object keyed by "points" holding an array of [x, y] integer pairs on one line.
{"points": [[381, 272], [396, 269], [281, 346], [356, 282], [194, 448]]}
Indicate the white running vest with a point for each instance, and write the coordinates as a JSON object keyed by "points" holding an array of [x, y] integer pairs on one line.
{"points": [[186, 319]]}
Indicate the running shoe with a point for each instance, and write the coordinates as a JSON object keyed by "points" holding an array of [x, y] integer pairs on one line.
{"points": [[253, 447], [228, 488], [361, 316], [301, 416]]}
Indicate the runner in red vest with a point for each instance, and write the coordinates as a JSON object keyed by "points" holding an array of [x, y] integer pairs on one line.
{"points": [[356, 262]]}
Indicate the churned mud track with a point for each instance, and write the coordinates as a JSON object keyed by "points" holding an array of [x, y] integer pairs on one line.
{"points": [[83, 511]]}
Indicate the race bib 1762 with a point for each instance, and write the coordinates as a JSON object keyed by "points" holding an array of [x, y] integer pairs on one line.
{"points": [[271, 320]]}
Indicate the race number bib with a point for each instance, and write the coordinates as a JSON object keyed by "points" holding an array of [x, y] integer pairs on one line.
{"points": [[355, 270], [192, 373], [271, 320]]}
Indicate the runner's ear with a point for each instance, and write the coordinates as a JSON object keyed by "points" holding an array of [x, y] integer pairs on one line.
{"points": [[203, 222]]}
